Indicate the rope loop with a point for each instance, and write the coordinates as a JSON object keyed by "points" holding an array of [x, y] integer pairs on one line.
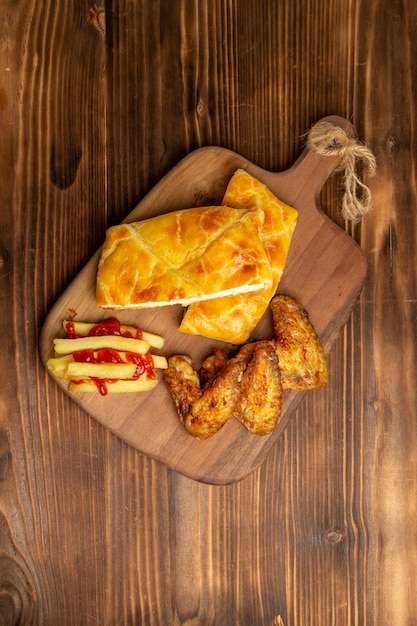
{"points": [[328, 139]]}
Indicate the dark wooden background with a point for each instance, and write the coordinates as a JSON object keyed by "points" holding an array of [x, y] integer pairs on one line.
{"points": [[97, 103]]}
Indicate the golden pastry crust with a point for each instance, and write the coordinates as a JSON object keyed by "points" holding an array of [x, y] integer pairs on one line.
{"points": [[181, 257], [233, 318]]}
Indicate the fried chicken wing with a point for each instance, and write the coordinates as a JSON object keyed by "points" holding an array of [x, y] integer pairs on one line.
{"points": [[183, 383], [212, 365], [302, 361], [249, 386], [246, 386], [203, 410], [218, 402], [261, 389]]}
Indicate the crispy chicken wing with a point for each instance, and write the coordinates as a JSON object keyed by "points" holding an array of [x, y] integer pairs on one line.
{"points": [[203, 411], [212, 365], [246, 386], [302, 361], [218, 402], [183, 383], [261, 389], [249, 386]]}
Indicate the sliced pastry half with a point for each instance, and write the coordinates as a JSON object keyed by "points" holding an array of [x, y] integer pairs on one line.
{"points": [[182, 257], [233, 318]]}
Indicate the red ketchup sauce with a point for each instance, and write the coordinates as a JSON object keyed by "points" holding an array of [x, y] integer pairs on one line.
{"points": [[111, 326], [144, 362]]}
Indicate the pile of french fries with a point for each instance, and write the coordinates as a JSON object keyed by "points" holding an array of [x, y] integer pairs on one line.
{"points": [[107, 363]]}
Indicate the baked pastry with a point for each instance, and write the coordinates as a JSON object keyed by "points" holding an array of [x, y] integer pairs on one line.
{"points": [[182, 257], [233, 318]]}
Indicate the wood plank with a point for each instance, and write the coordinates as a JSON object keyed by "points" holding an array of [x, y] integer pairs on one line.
{"points": [[388, 309], [92, 531]]}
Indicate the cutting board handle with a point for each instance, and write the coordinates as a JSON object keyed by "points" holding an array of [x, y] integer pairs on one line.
{"points": [[331, 144]]}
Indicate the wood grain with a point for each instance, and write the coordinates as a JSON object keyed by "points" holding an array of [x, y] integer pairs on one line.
{"points": [[95, 108]]}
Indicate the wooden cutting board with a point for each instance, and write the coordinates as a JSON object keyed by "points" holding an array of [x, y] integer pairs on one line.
{"points": [[324, 272]]}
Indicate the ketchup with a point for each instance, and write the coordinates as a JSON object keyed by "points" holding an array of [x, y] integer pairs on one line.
{"points": [[144, 362], [103, 355], [112, 326], [70, 328], [101, 384]]}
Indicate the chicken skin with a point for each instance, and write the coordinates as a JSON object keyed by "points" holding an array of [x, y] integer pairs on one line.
{"points": [[250, 385], [246, 386], [218, 402], [203, 411], [212, 365], [302, 361], [261, 389], [183, 384]]}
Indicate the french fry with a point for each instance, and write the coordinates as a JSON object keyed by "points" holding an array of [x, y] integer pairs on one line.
{"points": [[58, 365], [79, 371], [83, 328], [108, 366], [155, 341], [125, 344], [80, 328], [159, 362], [119, 386]]}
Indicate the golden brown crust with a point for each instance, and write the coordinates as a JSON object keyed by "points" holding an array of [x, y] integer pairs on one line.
{"points": [[212, 365], [181, 257], [183, 383], [301, 357], [233, 318], [218, 402], [247, 386], [261, 390]]}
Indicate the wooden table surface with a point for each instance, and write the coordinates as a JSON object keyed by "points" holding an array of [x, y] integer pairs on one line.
{"points": [[98, 101]]}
